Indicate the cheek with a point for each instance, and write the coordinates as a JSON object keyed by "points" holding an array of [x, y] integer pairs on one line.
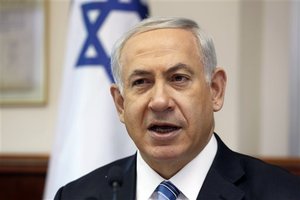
{"points": [[131, 123], [133, 112], [199, 112]]}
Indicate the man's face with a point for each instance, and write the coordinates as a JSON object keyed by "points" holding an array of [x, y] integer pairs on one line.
{"points": [[167, 105]]}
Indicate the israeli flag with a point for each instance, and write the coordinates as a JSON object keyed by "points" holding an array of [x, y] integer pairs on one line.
{"points": [[89, 133]]}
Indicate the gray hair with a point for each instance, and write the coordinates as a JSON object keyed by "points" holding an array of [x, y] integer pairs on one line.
{"points": [[205, 43]]}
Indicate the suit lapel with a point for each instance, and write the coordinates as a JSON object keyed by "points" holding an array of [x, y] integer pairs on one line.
{"points": [[220, 182], [216, 187]]}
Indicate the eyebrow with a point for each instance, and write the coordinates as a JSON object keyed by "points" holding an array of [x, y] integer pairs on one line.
{"points": [[176, 67], [139, 72], [179, 66]]}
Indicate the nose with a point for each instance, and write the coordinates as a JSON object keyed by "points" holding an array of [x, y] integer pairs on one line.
{"points": [[161, 99]]}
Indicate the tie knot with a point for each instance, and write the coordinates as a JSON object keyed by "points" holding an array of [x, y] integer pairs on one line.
{"points": [[166, 190]]}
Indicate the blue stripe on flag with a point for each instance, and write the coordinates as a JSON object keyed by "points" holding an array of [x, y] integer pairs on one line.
{"points": [[92, 27]]}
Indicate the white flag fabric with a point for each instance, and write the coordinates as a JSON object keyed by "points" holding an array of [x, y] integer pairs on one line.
{"points": [[89, 133]]}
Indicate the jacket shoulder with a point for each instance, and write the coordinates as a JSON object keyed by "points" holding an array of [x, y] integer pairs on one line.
{"points": [[265, 180], [94, 184], [256, 178]]}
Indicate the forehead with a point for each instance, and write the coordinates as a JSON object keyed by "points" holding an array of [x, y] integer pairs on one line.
{"points": [[158, 41]]}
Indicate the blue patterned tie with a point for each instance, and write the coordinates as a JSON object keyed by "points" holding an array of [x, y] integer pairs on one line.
{"points": [[167, 191]]}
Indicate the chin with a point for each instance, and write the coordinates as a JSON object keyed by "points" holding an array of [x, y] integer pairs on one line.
{"points": [[166, 153]]}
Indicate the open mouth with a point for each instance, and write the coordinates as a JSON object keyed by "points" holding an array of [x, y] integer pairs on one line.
{"points": [[163, 128]]}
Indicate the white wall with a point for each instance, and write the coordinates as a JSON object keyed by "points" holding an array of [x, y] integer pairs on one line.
{"points": [[275, 78], [251, 40]]}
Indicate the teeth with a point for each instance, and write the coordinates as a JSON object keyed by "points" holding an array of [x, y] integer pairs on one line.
{"points": [[163, 129]]}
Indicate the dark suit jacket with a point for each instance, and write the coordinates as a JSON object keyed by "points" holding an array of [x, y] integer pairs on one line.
{"points": [[232, 176]]}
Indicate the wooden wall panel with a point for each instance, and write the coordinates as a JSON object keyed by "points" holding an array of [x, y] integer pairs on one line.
{"points": [[22, 177]]}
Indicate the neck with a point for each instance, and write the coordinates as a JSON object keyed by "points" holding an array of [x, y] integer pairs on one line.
{"points": [[168, 168]]}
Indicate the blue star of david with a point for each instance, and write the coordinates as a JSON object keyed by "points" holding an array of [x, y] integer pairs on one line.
{"points": [[92, 27]]}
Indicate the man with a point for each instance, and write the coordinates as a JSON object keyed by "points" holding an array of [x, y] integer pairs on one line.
{"points": [[167, 89]]}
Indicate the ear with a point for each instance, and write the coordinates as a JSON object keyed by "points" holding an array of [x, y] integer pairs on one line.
{"points": [[217, 86], [118, 100]]}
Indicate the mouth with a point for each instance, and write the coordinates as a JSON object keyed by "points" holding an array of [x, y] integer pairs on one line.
{"points": [[164, 132], [163, 128]]}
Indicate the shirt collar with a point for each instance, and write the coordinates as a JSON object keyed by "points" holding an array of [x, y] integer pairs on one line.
{"points": [[147, 179], [193, 174]]}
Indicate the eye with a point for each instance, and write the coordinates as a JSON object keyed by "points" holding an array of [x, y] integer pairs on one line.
{"points": [[178, 78], [140, 82]]}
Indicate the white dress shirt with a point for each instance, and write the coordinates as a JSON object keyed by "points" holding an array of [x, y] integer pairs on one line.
{"points": [[188, 180]]}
